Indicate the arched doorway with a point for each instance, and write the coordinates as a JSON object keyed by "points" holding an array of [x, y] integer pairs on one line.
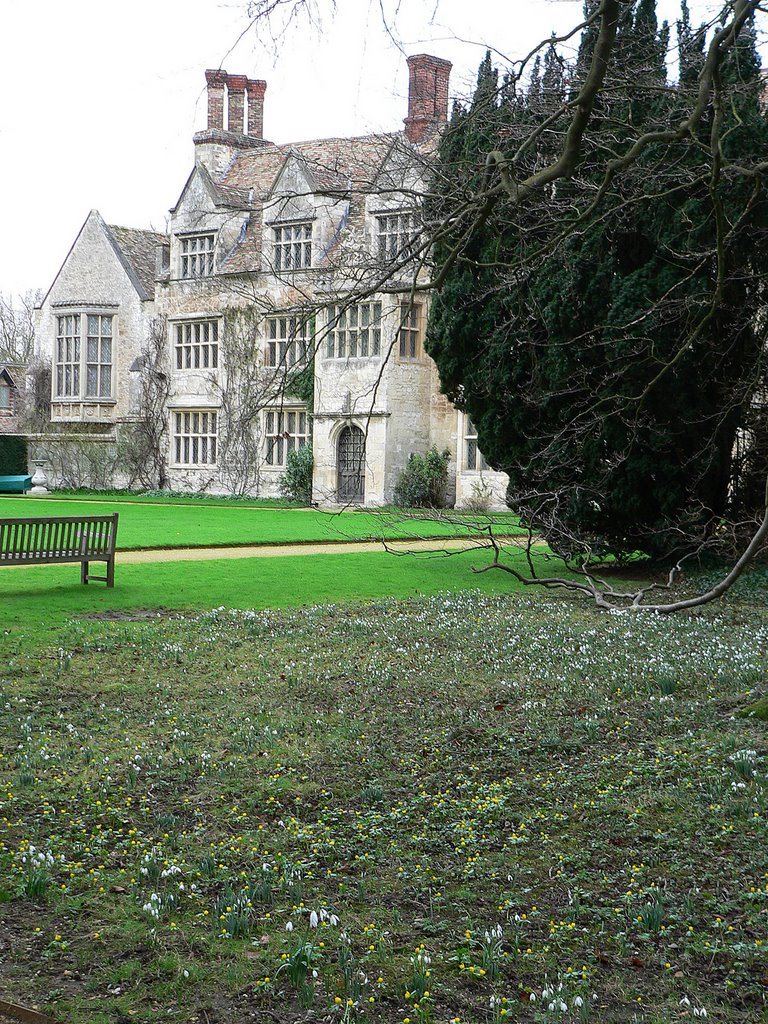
{"points": [[350, 482]]}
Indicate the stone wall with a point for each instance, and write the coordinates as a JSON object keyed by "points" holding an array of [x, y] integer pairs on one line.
{"points": [[92, 279]]}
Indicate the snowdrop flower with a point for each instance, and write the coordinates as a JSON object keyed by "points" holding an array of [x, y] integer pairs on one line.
{"points": [[313, 919], [289, 926], [333, 920], [578, 1002]]}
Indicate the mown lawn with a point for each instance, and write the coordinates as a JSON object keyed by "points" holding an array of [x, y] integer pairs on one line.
{"points": [[492, 807], [37, 601], [151, 525]]}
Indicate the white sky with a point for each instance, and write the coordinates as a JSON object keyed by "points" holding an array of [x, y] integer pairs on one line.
{"points": [[99, 100]]}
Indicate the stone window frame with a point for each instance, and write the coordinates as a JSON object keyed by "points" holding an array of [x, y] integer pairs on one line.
{"points": [[197, 252], [409, 333], [196, 343], [82, 350], [289, 340], [396, 231], [292, 245], [195, 434], [354, 330], [472, 458], [285, 430], [6, 398]]}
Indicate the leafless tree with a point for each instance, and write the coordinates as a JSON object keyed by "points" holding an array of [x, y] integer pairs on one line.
{"points": [[246, 387], [144, 447], [17, 327]]}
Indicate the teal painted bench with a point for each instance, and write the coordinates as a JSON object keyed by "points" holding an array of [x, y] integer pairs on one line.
{"points": [[15, 484], [38, 540]]}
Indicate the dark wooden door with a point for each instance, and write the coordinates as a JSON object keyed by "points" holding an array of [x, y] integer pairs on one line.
{"points": [[351, 465]]}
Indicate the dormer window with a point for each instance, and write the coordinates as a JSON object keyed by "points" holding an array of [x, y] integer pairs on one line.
{"points": [[396, 232], [197, 255], [293, 246]]}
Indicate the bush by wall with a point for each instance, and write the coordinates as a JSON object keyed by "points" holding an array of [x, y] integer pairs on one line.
{"points": [[296, 482], [424, 480], [13, 456]]}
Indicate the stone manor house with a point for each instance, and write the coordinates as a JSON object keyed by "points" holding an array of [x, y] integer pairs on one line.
{"points": [[266, 318]]}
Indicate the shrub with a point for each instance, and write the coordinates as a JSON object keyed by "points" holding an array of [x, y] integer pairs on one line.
{"points": [[13, 456], [480, 499], [423, 482], [296, 482]]}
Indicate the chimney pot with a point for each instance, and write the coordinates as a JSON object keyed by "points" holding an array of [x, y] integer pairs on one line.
{"points": [[236, 104], [216, 80], [427, 95], [255, 88]]}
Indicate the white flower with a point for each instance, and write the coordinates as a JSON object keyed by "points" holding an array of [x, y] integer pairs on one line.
{"points": [[532, 997], [578, 1002], [289, 926], [313, 919], [333, 920]]}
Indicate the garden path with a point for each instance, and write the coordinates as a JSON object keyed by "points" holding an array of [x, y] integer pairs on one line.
{"points": [[278, 550]]}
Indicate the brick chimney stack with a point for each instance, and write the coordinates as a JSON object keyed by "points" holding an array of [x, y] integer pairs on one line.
{"points": [[236, 103], [427, 95], [216, 80], [255, 121]]}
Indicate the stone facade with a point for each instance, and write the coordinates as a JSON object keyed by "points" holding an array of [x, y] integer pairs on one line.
{"points": [[281, 328], [11, 385]]}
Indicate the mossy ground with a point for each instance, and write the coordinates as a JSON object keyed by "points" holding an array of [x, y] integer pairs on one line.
{"points": [[481, 797]]}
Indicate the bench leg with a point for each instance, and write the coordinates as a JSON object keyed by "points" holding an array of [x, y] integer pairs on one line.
{"points": [[84, 573], [111, 571]]}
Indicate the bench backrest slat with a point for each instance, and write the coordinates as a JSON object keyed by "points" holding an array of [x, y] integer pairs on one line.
{"points": [[54, 536]]}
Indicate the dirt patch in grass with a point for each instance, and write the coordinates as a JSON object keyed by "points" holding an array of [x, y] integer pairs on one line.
{"points": [[134, 615]]}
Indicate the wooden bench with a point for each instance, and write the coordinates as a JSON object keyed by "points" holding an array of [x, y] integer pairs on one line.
{"points": [[37, 540]]}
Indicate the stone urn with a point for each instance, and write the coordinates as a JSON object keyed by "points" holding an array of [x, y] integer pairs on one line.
{"points": [[39, 479]]}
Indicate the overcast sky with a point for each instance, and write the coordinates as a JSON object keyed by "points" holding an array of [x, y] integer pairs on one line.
{"points": [[99, 100]]}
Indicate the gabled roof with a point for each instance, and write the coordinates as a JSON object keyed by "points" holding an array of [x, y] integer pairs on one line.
{"points": [[134, 248], [333, 167], [221, 194], [10, 373], [333, 164]]}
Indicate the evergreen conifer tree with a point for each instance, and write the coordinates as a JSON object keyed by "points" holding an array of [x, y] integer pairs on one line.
{"points": [[608, 361]]}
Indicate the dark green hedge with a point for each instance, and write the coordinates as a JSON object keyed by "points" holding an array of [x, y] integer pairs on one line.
{"points": [[13, 456]]}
